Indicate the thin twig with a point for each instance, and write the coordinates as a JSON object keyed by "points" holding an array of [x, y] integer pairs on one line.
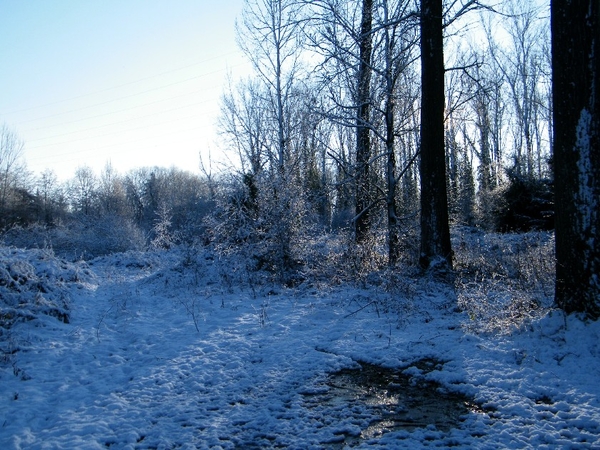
{"points": [[359, 310]]}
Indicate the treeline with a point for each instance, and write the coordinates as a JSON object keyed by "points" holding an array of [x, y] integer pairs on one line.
{"points": [[94, 214]]}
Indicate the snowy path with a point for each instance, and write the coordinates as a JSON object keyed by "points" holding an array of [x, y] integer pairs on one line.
{"points": [[131, 371]]}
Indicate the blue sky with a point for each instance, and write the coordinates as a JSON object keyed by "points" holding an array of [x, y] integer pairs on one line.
{"points": [[133, 82]]}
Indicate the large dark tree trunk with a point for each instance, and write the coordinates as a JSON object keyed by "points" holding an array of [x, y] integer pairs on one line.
{"points": [[362, 221], [435, 233], [576, 97]]}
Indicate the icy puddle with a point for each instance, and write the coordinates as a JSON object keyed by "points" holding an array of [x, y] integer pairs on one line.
{"points": [[373, 400]]}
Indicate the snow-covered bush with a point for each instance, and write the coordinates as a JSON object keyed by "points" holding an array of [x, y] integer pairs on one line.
{"points": [[163, 236], [34, 282], [357, 262], [83, 238], [264, 224]]}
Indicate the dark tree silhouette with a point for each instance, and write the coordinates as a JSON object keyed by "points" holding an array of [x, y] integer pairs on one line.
{"points": [[435, 233], [576, 96]]}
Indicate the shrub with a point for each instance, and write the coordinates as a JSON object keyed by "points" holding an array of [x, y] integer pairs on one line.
{"points": [[84, 238], [264, 222], [525, 204], [503, 281]]}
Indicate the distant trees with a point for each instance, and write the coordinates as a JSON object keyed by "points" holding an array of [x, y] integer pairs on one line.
{"points": [[524, 70], [15, 200], [498, 108], [576, 94], [111, 192], [514, 82], [93, 214], [83, 191], [52, 198]]}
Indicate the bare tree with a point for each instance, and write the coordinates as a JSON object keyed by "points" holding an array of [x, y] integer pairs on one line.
{"points": [[366, 48], [269, 35], [576, 94], [521, 63], [398, 31], [245, 125], [342, 35], [362, 220], [12, 169], [82, 190], [51, 196]]}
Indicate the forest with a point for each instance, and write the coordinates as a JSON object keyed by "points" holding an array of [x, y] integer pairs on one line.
{"points": [[325, 139], [400, 183]]}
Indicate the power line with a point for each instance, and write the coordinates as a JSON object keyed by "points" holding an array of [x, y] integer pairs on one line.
{"points": [[121, 85], [115, 112], [76, 152], [122, 131], [126, 96]]}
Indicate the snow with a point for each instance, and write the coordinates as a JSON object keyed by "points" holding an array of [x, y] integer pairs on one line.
{"points": [[586, 199], [159, 353]]}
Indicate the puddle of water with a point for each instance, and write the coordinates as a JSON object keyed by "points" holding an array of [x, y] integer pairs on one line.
{"points": [[393, 400]]}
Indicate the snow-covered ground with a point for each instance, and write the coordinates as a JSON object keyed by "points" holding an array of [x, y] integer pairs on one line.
{"points": [[161, 352]]}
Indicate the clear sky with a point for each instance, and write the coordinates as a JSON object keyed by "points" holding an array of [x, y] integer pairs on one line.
{"points": [[133, 82]]}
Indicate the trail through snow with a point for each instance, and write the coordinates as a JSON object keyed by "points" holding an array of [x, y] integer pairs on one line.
{"points": [[130, 369]]}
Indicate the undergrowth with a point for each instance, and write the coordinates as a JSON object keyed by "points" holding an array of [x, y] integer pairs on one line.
{"points": [[34, 283], [503, 281], [500, 281]]}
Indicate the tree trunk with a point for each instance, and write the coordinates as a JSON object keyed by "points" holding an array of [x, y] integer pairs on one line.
{"points": [[390, 142], [435, 233], [362, 220], [576, 96], [392, 214]]}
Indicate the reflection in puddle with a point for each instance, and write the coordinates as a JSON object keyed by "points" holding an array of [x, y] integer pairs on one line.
{"points": [[383, 400]]}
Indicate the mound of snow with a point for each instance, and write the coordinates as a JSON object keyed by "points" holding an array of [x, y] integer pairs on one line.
{"points": [[34, 282]]}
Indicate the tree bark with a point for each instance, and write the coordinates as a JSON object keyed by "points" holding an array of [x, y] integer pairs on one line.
{"points": [[392, 211], [576, 97], [435, 232], [390, 76], [362, 220]]}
